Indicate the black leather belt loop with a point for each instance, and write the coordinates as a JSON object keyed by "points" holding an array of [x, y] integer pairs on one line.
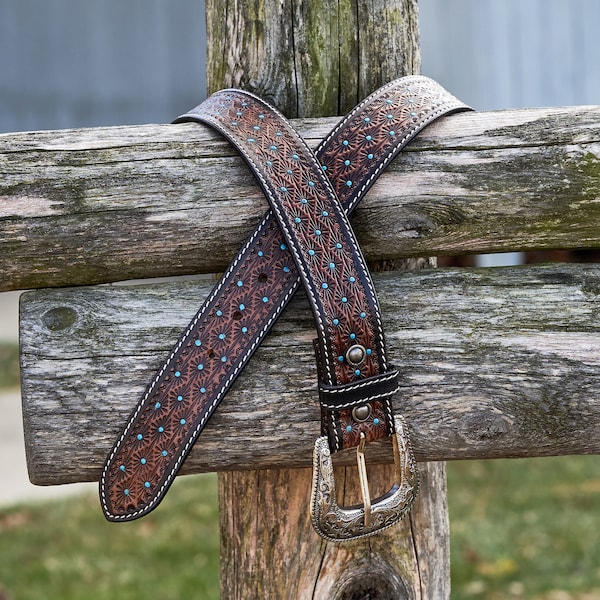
{"points": [[355, 386]]}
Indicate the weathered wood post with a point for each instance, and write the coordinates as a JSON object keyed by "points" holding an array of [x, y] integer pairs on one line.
{"points": [[318, 59]]}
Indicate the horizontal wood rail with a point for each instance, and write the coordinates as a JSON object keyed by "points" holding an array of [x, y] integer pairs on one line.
{"points": [[109, 204], [494, 363]]}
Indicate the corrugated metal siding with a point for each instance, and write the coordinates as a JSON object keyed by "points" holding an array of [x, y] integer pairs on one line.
{"points": [[73, 63], [513, 53]]}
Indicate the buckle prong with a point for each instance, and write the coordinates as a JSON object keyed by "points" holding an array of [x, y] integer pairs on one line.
{"points": [[364, 481]]}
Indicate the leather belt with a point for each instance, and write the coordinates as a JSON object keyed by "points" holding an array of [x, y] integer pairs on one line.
{"points": [[305, 236]]}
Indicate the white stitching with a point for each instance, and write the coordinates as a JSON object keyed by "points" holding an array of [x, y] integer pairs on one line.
{"points": [[449, 105], [360, 401], [362, 384]]}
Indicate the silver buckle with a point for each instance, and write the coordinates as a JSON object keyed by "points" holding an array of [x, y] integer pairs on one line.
{"points": [[338, 524]]}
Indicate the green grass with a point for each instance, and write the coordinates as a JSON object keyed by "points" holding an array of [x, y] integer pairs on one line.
{"points": [[9, 365], [525, 528], [519, 529], [65, 550]]}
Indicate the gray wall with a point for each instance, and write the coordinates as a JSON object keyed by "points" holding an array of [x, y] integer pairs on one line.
{"points": [[77, 63], [513, 53], [74, 63]]}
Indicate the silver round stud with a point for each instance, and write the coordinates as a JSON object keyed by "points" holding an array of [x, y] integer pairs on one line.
{"points": [[356, 354], [362, 412]]}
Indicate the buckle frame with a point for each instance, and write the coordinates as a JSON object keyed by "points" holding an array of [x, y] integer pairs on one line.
{"points": [[338, 524]]}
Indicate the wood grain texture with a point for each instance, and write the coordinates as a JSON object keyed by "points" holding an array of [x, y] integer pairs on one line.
{"points": [[312, 57], [493, 362], [108, 204], [407, 561]]}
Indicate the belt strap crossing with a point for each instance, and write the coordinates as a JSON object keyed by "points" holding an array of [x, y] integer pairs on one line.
{"points": [[317, 245]]}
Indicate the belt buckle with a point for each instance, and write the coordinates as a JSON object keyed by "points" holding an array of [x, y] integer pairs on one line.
{"points": [[338, 524]]}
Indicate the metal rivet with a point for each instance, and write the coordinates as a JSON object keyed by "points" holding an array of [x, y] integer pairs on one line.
{"points": [[361, 413], [356, 354]]}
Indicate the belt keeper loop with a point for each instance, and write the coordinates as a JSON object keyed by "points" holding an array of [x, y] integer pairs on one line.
{"points": [[349, 395]]}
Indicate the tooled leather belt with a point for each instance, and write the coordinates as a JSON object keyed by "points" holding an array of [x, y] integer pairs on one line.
{"points": [[305, 237]]}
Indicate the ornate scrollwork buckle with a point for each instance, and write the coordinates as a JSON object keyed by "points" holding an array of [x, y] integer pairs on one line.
{"points": [[338, 524]]}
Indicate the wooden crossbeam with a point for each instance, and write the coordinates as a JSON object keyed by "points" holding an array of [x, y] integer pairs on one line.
{"points": [[100, 205], [494, 363]]}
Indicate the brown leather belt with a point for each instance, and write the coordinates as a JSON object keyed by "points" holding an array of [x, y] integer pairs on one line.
{"points": [[304, 237]]}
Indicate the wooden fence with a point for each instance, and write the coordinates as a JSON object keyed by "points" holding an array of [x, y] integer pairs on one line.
{"points": [[494, 362]]}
